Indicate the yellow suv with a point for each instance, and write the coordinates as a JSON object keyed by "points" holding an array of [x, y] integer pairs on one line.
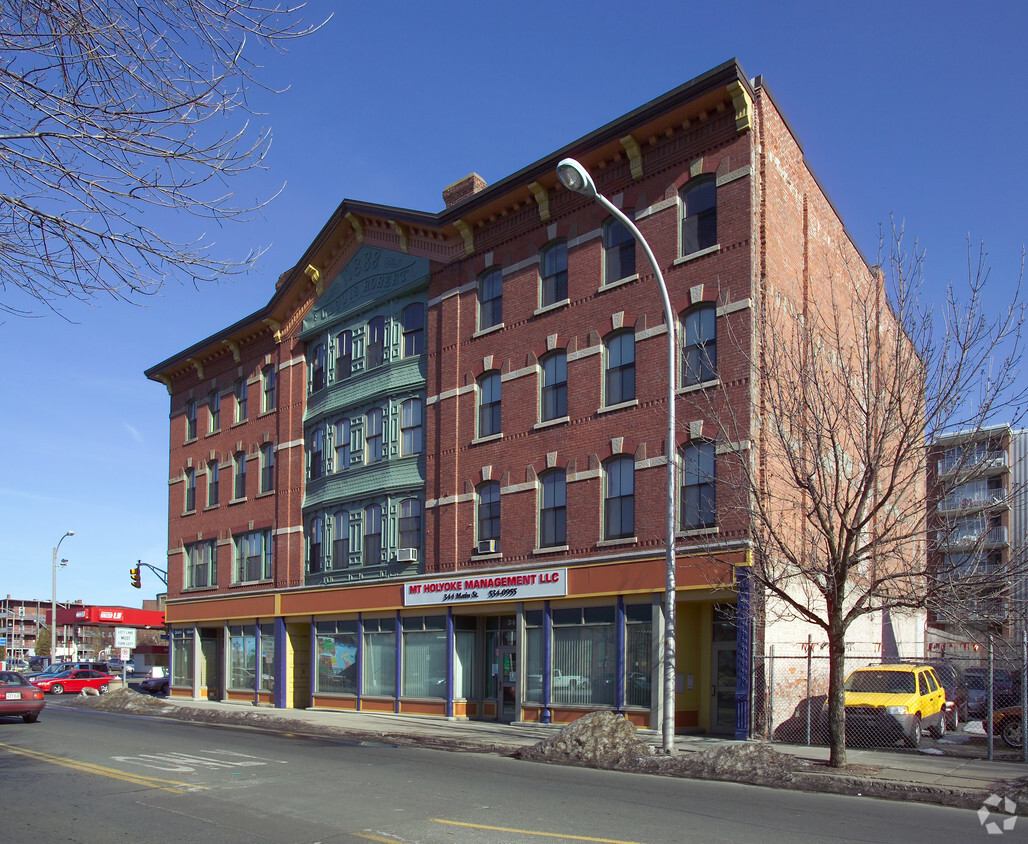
{"points": [[894, 701]]}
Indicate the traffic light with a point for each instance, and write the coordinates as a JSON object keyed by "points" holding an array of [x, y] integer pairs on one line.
{"points": [[134, 574]]}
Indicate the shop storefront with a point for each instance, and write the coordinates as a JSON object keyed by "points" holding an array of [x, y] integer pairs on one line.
{"points": [[538, 645]]}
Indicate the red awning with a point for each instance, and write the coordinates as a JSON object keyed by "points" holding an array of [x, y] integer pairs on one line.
{"points": [[112, 616]]}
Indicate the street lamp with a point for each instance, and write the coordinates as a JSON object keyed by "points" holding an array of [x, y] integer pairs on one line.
{"points": [[53, 600], [576, 178]]}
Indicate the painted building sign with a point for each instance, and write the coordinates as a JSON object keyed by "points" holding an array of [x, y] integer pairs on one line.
{"points": [[520, 586]]}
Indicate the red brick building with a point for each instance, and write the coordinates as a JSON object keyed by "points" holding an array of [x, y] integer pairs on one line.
{"points": [[467, 510]]}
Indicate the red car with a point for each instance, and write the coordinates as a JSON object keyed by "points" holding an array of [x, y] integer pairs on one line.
{"points": [[74, 681], [19, 697]]}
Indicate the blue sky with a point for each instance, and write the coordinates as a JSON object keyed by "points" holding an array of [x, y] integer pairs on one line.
{"points": [[905, 109]]}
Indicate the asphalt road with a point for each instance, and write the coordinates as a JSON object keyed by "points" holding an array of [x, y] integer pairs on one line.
{"points": [[87, 776]]}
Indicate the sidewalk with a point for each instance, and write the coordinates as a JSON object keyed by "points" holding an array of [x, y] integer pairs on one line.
{"points": [[922, 773]]}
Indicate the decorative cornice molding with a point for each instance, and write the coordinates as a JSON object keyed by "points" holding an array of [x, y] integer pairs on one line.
{"points": [[542, 199], [467, 234], [635, 158], [743, 105]]}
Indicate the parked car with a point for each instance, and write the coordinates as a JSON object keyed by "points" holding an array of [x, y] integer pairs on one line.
{"points": [[115, 666], [56, 668], [19, 697], [16, 664], [568, 681], [38, 663], [977, 698], [75, 681], [1002, 685], [1006, 723], [952, 679], [895, 701], [155, 685]]}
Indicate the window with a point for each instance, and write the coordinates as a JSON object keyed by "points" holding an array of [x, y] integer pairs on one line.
{"points": [[699, 215], [213, 474], [372, 535], [266, 679], [201, 565], [190, 420], [489, 404], [619, 499], [489, 512], [240, 391], [638, 654], [410, 523], [553, 510], [318, 368], [699, 351], [620, 376], [337, 657], [378, 666], [584, 655], [341, 540], [554, 398], [253, 556], [411, 430], [213, 412], [240, 472], [554, 274], [373, 435], [376, 342], [190, 490], [316, 454], [242, 666], [342, 445], [315, 555], [698, 498], [618, 251], [344, 355], [490, 298], [268, 379], [425, 656], [182, 657], [413, 319], [267, 467]]}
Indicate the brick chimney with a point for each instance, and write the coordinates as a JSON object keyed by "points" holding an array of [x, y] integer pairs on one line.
{"points": [[462, 189]]}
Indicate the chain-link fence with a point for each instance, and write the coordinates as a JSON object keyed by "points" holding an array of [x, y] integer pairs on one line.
{"points": [[971, 697]]}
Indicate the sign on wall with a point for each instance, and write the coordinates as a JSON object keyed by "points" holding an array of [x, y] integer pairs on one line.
{"points": [[522, 586]]}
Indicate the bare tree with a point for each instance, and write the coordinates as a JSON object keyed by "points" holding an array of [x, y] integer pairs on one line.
{"points": [[115, 116], [855, 383]]}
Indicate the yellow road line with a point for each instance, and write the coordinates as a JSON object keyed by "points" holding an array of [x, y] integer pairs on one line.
{"points": [[174, 786], [535, 832], [374, 837]]}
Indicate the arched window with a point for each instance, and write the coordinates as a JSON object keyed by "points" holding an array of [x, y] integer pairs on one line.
{"points": [[410, 523], [699, 215], [316, 454], [372, 535], [344, 355], [488, 520], [411, 427], [373, 435], [315, 536], [553, 399], [553, 274], [489, 404], [618, 251], [490, 298], [698, 488], [413, 319], [619, 498], [318, 368], [341, 540], [376, 342], [699, 347], [619, 354], [553, 509]]}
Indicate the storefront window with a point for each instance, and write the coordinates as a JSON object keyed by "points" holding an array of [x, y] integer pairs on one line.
{"points": [[584, 655], [534, 656], [242, 657], [182, 657], [638, 654], [379, 657], [267, 678], [337, 657], [467, 673], [424, 656]]}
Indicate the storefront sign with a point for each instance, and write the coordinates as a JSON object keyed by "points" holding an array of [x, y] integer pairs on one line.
{"points": [[520, 586]]}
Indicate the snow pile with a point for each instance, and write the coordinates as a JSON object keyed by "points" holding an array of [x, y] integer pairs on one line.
{"points": [[599, 739]]}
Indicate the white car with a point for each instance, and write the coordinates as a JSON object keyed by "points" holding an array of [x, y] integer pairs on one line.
{"points": [[116, 666]]}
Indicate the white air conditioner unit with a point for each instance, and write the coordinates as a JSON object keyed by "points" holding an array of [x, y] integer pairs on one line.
{"points": [[406, 555], [488, 546]]}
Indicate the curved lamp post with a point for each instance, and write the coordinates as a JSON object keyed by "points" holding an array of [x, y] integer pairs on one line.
{"points": [[53, 602], [576, 178]]}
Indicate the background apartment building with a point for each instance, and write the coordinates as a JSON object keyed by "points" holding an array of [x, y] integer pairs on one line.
{"points": [[465, 515]]}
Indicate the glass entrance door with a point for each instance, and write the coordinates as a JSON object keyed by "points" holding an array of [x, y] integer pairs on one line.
{"points": [[722, 704], [501, 641]]}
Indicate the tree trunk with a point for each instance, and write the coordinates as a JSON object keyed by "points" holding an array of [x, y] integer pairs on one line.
{"points": [[836, 696]]}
